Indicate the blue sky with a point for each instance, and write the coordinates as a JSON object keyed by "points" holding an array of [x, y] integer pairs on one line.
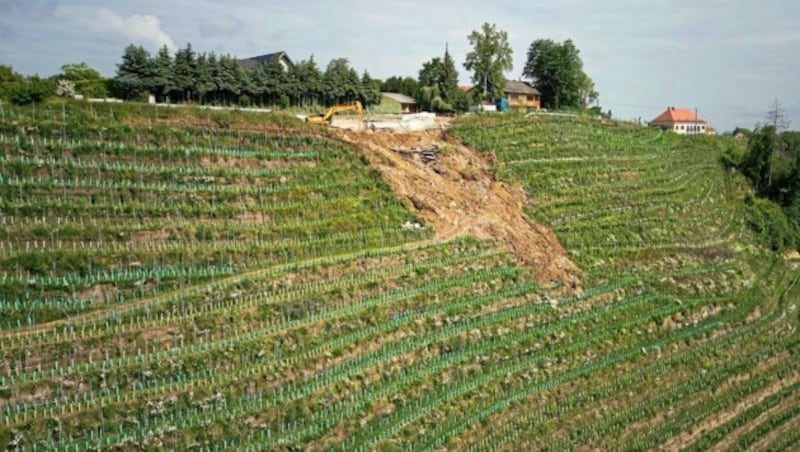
{"points": [[728, 59]]}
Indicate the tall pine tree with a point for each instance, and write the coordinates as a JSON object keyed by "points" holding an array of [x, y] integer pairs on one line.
{"points": [[185, 72], [136, 74]]}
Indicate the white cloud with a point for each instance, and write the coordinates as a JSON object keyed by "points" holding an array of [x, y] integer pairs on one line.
{"points": [[138, 28]]}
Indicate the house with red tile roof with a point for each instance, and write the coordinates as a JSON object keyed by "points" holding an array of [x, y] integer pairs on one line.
{"points": [[682, 122]]}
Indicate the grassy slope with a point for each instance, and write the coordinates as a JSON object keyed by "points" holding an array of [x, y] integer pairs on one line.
{"points": [[168, 285]]}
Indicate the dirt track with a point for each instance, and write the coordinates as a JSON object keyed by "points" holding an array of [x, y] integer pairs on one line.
{"points": [[457, 195]]}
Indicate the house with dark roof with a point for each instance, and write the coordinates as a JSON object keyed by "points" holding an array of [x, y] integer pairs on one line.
{"points": [[250, 64], [682, 121], [519, 94], [407, 103]]}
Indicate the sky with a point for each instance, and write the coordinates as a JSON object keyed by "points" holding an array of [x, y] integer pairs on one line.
{"points": [[729, 59]]}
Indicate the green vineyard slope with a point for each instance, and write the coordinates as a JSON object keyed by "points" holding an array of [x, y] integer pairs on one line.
{"points": [[214, 281]]}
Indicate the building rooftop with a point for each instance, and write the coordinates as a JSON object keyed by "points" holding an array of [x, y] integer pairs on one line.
{"points": [[250, 63], [399, 97], [512, 87], [672, 115], [520, 87]]}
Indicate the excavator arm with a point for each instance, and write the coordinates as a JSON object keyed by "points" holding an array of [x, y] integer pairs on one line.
{"points": [[326, 117]]}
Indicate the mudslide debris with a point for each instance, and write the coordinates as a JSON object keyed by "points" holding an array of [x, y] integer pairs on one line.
{"points": [[455, 193]]}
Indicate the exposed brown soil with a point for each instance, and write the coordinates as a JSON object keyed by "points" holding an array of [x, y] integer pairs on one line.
{"points": [[145, 237], [99, 294], [457, 195]]}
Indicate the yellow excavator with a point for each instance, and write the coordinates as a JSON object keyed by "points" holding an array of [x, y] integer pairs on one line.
{"points": [[328, 115]]}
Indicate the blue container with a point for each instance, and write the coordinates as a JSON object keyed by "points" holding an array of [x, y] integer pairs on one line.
{"points": [[501, 104]]}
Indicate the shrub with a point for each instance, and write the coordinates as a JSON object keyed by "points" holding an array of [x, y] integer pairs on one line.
{"points": [[769, 223], [33, 90]]}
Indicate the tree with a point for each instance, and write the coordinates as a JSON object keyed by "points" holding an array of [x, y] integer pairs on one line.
{"points": [[247, 87], [430, 94], [86, 80], [309, 82], [438, 81], [776, 117], [432, 72], [204, 83], [135, 75], [448, 84], [404, 85], [490, 57], [261, 81], [213, 96], [355, 88], [32, 90], [163, 75], [341, 82], [461, 100], [185, 71], [557, 72], [8, 79], [370, 93], [587, 94], [225, 76], [273, 79], [756, 165]]}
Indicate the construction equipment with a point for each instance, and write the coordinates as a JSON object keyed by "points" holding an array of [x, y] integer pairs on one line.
{"points": [[328, 115]]}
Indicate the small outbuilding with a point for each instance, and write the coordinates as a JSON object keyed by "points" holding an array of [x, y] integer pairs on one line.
{"points": [[407, 103], [521, 95]]}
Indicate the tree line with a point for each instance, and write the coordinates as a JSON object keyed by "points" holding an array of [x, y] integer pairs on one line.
{"points": [[771, 162], [554, 68], [207, 78]]}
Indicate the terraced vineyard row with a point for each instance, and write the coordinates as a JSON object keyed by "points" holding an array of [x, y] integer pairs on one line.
{"points": [[643, 205], [172, 286]]}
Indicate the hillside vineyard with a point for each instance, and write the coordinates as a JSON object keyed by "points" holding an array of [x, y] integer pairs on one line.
{"points": [[217, 280]]}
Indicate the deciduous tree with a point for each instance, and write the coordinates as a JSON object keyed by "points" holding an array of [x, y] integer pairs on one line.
{"points": [[490, 57], [87, 81], [404, 85], [8, 78], [757, 161], [557, 72]]}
